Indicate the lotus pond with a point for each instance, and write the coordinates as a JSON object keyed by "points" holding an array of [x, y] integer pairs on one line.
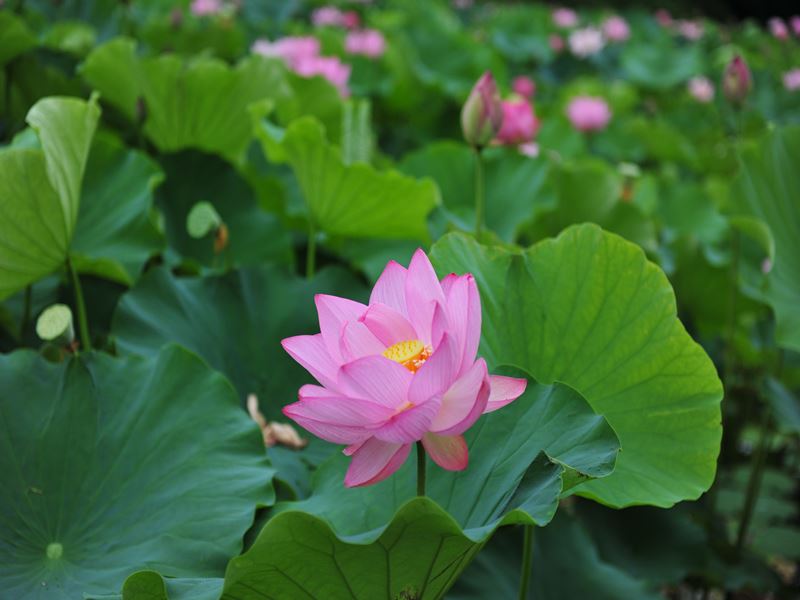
{"points": [[408, 299]]}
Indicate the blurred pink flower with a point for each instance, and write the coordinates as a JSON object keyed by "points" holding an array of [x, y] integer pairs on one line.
{"points": [[691, 30], [202, 8], [524, 86], [736, 80], [556, 43], [519, 122], [327, 16], [588, 113], [329, 67], [778, 28], [701, 89], [565, 18], [367, 42], [530, 149], [616, 29], [401, 369], [794, 23], [291, 49], [586, 42], [330, 16], [791, 80], [663, 17]]}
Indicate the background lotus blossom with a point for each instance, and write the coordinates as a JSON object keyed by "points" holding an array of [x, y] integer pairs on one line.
{"points": [[586, 42], [367, 42], [794, 23], [616, 29], [524, 86], [482, 113], [519, 122], [588, 113], [778, 28], [330, 16], [791, 80], [202, 8], [736, 80], [701, 89], [399, 370], [663, 17], [301, 55], [691, 30], [565, 18], [556, 43]]}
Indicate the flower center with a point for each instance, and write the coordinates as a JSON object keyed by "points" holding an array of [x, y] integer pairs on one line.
{"points": [[412, 354]]}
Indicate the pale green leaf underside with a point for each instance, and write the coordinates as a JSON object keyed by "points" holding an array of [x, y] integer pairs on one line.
{"points": [[588, 309], [349, 200], [40, 191], [111, 465]]}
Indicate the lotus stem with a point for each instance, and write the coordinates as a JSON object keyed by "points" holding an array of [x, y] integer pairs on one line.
{"points": [[527, 552], [480, 193], [420, 469], [83, 324], [311, 250], [754, 482]]}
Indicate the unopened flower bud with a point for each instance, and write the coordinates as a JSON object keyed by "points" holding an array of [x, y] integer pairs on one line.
{"points": [[736, 81], [482, 114]]}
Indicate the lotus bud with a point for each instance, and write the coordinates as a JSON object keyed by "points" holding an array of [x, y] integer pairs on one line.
{"points": [[482, 114], [736, 81]]}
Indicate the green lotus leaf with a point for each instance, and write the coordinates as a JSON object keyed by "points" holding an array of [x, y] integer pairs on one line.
{"points": [[349, 200], [588, 309], [40, 191], [767, 188], [196, 104], [261, 307], [115, 234], [517, 186], [111, 465], [380, 541], [15, 37]]}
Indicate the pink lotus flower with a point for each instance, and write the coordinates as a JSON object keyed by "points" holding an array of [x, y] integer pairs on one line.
{"points": [[588, 113], [664, 18], [791, 80], [778, 28], [691, 30], [367, 42], [794, 23], [736, 80], [325, 16], [585, 42], [482, 113], [329, 67], [202, 8], [399, 370], [524, 86], [616, 29], [565, 18], [351, 20], [556, 43], [701, 89], [291, 49], [519, 123]]}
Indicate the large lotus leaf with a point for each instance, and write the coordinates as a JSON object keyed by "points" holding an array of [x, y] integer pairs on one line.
{"points": [[111, 465], [349, 200], [261, 306], [255, 236], [15, 37], [374, 542], [588, 309], [40, 191], [115, 233], [768, 188], [517, 186], [660, 64], [196, 104]]}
